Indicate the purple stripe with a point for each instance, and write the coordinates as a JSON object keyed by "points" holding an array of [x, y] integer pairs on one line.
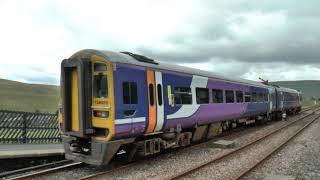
{"points": [[123, 130]]}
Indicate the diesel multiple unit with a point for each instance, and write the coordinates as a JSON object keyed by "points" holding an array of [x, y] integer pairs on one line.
{"points": [[126, 102]]}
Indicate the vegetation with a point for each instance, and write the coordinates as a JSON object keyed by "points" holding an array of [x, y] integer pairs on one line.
{"points": [[308, 102], [309, 88], [45, 98], [28, 97]]}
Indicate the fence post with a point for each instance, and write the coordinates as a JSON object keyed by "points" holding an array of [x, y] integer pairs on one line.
{"points": [[24, 128]]}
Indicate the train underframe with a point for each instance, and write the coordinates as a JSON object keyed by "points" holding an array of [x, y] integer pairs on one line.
{"points": [[101, 152]]}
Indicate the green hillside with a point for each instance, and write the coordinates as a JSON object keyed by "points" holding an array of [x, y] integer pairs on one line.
{"points": [[309, 88], [28, 97], [45, 98]]}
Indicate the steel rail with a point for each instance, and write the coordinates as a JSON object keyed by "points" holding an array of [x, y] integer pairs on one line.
{"points": [[225, 155], [92, 176], [47, 171], [276, 149], [22, 170], [51, 170]]}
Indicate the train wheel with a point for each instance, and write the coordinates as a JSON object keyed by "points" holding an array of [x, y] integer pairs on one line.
{"points": [[130, 152], [225, 126]]}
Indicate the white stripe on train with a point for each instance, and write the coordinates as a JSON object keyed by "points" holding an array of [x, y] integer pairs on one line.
{"points": [[189, 109], [160, 108], [130, 120]]}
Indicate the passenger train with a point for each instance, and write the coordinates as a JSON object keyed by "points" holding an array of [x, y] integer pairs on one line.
{"points": [[123, 101]]}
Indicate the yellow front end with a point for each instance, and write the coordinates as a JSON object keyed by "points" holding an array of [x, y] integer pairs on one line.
{"points": [[87, 116], [100, 103]]}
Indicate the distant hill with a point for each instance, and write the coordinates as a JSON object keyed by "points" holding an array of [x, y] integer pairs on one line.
{"points": [[45, 98], [28, 97], [309, 88]]}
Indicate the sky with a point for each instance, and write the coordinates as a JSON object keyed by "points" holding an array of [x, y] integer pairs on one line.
{"points": [[271, 39]]}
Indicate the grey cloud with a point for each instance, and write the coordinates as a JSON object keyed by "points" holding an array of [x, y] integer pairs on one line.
{"points": [[296, 42]]}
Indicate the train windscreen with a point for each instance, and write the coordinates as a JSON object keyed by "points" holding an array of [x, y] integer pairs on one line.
{"points": [[100, 86]]}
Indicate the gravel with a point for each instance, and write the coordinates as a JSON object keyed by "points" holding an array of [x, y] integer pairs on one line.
{"points": [[168, 164], [229, 167], [300, 158]]}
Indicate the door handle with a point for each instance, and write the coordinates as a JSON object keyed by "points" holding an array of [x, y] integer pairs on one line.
{"points": [[129, 112]]}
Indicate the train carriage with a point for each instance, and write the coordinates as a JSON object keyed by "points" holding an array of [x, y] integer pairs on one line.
{"points": [[113, 101], [289, 100]]}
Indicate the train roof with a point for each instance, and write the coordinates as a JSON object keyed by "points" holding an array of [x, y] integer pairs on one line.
{"points": [[128, 59], [284, 89]]}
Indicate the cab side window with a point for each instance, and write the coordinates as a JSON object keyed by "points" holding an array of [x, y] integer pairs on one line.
{"points": [[130, 93]]}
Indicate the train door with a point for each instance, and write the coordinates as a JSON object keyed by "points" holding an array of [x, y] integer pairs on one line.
{"points": [[270, 100], [155, 101], [130, 100], [281, 100], [160, 104]]}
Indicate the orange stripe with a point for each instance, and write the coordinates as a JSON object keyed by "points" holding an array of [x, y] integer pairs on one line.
{"points": [[152, 109]]}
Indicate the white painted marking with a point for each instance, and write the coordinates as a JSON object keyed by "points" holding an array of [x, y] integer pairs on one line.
{"points": [[281, 100], [189, 109], [270, 100], [160, 108], [130, 120]]}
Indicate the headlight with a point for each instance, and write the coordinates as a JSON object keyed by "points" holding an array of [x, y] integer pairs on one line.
{"points": [[101, 114]]}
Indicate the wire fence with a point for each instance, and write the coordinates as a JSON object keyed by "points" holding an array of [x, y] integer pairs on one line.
{"points": [[18, 127]]}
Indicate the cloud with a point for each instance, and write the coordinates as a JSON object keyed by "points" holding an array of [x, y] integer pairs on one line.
{"points": [[242, 38], [254, 35], [28, 74]]}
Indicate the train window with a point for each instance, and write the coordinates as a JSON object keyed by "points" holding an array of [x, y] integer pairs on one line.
{"points": [[260, 97], [217, 96], [265, 97], [285, 96], [159, 91], [229, 96], [182, 95], [100, 86], [130, 93], [254, 97], [99, 67], [202, 95], [151, 94], [247, 97], [257, 97], [239, 95]]}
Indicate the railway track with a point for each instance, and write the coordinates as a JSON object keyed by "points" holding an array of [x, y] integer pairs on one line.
{"points": [[254, 165], [33, 168], [240, 149], [51, 168], [44, 170], [127, 166]]}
